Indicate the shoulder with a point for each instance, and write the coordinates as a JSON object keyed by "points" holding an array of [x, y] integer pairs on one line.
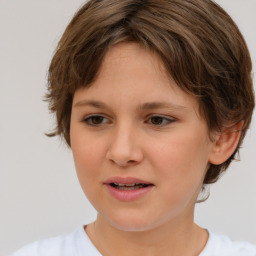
{"points": [[222, 245], [75, 244]]}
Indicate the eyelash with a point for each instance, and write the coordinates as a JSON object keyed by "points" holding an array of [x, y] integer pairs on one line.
{"points": [[89, 120], [167, 120]]}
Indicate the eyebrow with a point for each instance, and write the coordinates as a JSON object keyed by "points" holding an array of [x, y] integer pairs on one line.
{"points": [[93, 103], [144, 106], [158, 105]]}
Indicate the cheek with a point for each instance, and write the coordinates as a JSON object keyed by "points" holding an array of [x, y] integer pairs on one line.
{"points": [[180, 167], [87, 162], [87, 155], [181, 157]]}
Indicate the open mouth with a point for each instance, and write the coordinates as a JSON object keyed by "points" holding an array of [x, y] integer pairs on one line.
{"points": [[129, 186]]}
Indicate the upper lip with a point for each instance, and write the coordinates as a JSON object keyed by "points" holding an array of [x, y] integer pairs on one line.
{"points": [[126, 181]]}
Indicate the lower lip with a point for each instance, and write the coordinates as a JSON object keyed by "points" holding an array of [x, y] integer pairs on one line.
{"points": [[128, 195]]}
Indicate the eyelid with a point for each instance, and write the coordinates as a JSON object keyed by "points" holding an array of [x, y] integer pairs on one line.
{"points": [[88, 117], [169, 119]]}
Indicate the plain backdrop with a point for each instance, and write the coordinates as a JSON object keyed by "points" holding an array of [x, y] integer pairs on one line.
{"points": [[39, 192]]}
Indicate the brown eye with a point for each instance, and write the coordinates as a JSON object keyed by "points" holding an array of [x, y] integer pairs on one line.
{"points": [[157, 120], [95, 120], [160, 120]]}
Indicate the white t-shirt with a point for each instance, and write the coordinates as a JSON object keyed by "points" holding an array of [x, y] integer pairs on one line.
{"points": [[78, 244]]}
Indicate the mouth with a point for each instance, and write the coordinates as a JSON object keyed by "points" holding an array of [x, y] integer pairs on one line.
{"points": [[128, 188], [133, 186]]}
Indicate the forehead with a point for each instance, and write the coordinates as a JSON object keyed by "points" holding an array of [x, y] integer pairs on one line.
{"points": [[131, 58], [129, 63], [129, 72]]}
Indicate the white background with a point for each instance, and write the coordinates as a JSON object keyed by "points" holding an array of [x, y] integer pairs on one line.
{"points": [[39, 192]]}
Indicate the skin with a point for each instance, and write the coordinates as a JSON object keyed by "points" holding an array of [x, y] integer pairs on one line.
{"points": [[167, 145]]}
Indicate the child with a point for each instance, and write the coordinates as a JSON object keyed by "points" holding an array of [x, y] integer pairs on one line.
{"points": [[154, 98]]}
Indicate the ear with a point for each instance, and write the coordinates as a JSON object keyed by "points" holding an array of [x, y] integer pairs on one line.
{"points": [[225, 144]]}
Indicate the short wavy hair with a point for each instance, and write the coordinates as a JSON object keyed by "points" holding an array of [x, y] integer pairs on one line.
{"points": [[198, 42]]}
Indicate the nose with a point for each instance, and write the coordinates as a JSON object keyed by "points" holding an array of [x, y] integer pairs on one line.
{"points": [[124, 149]]}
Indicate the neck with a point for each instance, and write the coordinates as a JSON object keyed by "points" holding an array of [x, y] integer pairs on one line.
{"points": [[174, 238]]}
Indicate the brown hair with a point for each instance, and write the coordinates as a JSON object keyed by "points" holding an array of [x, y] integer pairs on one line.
{"points": [[200, 45]]}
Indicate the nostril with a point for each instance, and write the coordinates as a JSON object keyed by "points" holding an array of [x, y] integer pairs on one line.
{"points": [[122, 162], [124, 156], [131, 161]]}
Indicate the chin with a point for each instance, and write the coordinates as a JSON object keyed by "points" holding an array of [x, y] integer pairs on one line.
{"points": [[131, 227], [130, 223]]}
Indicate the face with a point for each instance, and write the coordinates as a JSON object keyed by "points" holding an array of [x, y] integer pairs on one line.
{"points": [[140, 147]]}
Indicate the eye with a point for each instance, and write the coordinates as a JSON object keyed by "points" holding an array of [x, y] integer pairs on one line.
{"points": [[160, 120], [95, 120]]}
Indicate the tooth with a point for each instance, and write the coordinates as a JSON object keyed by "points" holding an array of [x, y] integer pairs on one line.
{"points": [[119, 184], [130, 185], [123, 185]]}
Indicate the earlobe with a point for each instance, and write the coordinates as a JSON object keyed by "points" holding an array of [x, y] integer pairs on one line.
{"points": [[225, 144]]}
